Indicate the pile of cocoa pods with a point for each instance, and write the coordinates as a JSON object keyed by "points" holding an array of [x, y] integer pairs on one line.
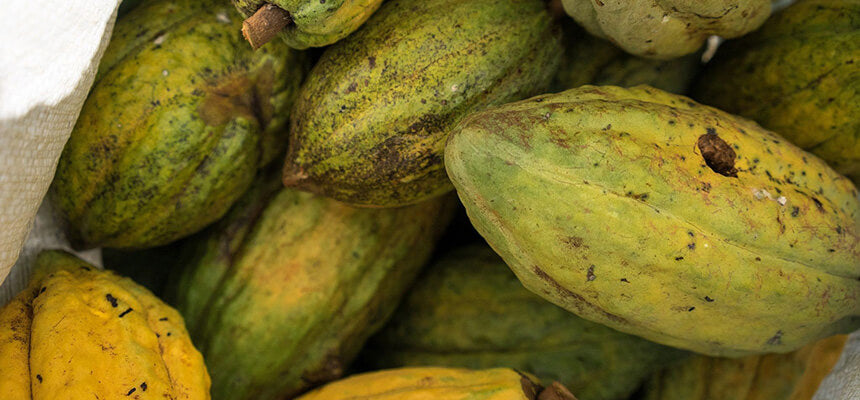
{"points": [[455, 200]]}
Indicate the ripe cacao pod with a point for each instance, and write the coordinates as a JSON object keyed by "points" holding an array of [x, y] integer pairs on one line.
{"points": [[80, 333], [792, 376], [315, 23], [669, 28], [371, 121], [591, 60], [663, 218], [439, 384], [468, 310], [798, 75], [180, 117], [282, 293]]}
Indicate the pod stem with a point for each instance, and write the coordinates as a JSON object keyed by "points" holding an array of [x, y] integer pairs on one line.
{"points": [[265, 24], [556, 391]]}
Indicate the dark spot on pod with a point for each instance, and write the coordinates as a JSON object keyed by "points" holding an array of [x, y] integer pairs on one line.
{"points": [[718, 155], [776, 339], [125, 312], [42, 290], [157, 335], [573, 241], [143, 386], [795, 211], [371, 61], [691, 308], [607, 127], [625, 280], [639, 196], [691, 246], [710, 131], [39, 378], [111, 300], [590, 275], [168, 333], [831, 250], [758, 258], [163, 319], [691, 234], [679, 258], [838, 230], [818, 204], [708, 299], [130, 391]]}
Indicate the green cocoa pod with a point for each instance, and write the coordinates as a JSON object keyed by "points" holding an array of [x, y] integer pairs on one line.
{"points": [[591, 60], [470, 311], [669, 28], [372, 119], [281, 294], [180, 117], [798, 76], [663, 218], [440, 384], [315, 23], [792, 376]]}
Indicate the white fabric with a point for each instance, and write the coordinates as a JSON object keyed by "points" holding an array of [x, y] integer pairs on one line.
{"points": [[49, 53]]}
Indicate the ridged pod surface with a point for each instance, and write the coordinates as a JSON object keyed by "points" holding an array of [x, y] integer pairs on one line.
{"points": [[372, 118], [78, 333], [468, 310], [591, 60], [663, 218], [282, 293], [316, 23], [792, 376], [667, 28], [437, 384], [181, 115], [799, 76]]}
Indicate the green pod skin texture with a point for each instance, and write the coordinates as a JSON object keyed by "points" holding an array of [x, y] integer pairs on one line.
{"points": [[468, 310], [797, 75], [281, 294], [181, 116], [601, 200], [372, 118], [667, 29], [316, 23], [589, 60]]}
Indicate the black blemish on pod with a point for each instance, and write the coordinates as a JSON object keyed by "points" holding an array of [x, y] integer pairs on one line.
{"points": [[590, 275], [163, 319], [143, 386], [126, 312], [130, 391], [708, 299], [111, 300], [39, 378]]}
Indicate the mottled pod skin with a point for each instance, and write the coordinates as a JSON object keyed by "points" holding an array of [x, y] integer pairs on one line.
{"points": [[282, 293], [663, 218], [181, 115], [799, 76], [79, 333], [667, 28], [372, 119], [792, 376], [468, 310], [316, 23], [591, 60], [431, 383]]}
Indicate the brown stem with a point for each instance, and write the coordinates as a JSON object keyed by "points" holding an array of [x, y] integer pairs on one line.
{"points": [[265, 24], [556, 391]]}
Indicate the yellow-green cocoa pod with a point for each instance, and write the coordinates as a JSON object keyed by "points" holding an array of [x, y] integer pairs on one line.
{"points": [[470, 311], [669, 28], [180, 117], [282, 293], [80, 333], [591, 60], [799, 76], [792, 376], [663, 218], [371, 121], [439, 384], [315, 23]]}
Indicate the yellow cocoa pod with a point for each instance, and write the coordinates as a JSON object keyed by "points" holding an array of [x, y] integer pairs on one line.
{"points": [[79, 333], [439, 384], [792, 376]]}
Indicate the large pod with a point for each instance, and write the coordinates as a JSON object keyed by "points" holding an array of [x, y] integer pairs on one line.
{"points": [[799, 75], [282, 293], [660, 217], [667, 28], [468, 310], [371, 121], [315, 23], [80, 333], [180, 117], [792, 376], [439, 384]]}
